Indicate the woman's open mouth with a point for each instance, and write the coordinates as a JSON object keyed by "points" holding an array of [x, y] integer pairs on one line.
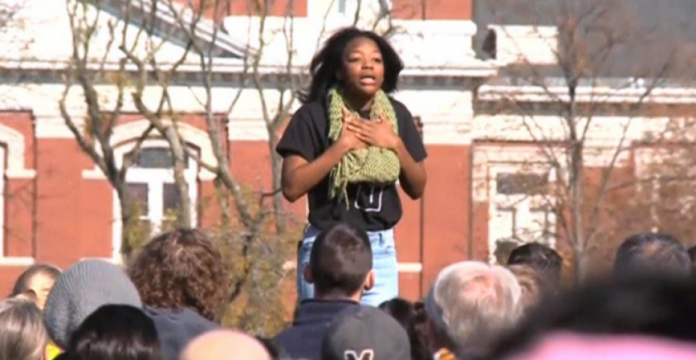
{"points": [[368, 80]]}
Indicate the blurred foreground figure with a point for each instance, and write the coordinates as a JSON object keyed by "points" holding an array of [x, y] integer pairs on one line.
{"points": [[575, 347], [657, 305]]}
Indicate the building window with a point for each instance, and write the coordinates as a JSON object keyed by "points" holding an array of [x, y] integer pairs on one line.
{"points": [[521, 183], [342, 7], [520, 211], [151, 183]]}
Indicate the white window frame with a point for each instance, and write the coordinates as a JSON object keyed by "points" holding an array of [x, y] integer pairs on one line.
{"points": [[523, 204], [155, 179], [155, 196]]}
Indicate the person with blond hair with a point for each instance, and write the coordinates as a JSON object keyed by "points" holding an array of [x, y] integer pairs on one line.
{"points": [[22, 332]]}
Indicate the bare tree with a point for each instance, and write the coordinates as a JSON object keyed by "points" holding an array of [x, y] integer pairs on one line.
{"points": [[94, 131], [576, 89], [253, 233]]}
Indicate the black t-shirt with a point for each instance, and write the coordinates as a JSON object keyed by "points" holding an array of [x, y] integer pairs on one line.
{"points": [[370, 207]]}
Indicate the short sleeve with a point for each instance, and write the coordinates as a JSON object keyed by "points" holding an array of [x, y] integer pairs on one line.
{"points": [[408, 132], [299, 136]]}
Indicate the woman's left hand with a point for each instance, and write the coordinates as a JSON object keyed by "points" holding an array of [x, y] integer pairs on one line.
{"points": [[377, 133]]}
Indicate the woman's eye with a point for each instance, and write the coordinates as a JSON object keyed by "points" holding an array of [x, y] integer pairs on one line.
{"points": [[378, 60]]}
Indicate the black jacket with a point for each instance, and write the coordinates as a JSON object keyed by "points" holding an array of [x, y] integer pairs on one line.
{"points": [[303, 339]]}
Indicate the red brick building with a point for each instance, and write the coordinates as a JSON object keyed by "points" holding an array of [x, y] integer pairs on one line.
{"points": [[58, 207]]}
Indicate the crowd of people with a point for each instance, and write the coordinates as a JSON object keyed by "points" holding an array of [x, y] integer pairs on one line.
{"points": [[166, 304], [347, 148]]}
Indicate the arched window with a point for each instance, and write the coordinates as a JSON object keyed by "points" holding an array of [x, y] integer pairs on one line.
{"points": [[151, 178], [150, 181]]}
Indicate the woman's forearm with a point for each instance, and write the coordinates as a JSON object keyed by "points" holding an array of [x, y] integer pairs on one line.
{"points": [[413, 175], [299, 178]]}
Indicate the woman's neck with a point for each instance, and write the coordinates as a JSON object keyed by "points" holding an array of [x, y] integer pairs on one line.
{"points": [[359, 103]]}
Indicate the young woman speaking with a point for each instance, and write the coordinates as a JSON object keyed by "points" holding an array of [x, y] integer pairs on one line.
{"points": [[347, 147]]}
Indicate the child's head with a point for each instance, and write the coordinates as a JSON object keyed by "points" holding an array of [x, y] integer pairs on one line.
{"points": [[340, 264]]}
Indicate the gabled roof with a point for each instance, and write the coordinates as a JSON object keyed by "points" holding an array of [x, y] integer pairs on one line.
{"points": [[169, 14]]}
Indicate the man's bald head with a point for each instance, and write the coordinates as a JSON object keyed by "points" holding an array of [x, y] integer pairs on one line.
{"points": [[224, 344]]}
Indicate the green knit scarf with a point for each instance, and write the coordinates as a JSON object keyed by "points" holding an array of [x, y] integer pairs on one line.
{"points": [[370, 165]]}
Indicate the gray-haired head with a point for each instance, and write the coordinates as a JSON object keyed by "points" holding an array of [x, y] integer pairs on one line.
{"points": [[472, 302], [23, 335]]}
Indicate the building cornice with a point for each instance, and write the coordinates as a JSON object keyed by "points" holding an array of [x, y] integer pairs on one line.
{"points": [[233, 71]]}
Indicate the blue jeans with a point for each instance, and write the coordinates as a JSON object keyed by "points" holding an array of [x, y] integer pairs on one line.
{"points": [[384, 264]]}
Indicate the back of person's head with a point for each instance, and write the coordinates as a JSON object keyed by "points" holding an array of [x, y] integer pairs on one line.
{"points": [[656, 305], [652, 252], [82, 289], [222, 344], [365, 332], [115, 332], [413, 319], [22, 332], [545, 260], [39, 279], [181, 269], [340, 264], [401, 310], [532, 285], [471, 303]]}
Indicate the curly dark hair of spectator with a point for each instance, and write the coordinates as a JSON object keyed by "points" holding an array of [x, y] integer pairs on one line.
{"points": [[327, 63], [181, 269]]}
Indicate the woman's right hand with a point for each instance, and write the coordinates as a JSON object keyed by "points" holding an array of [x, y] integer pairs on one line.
{"points": [[348, 138]]}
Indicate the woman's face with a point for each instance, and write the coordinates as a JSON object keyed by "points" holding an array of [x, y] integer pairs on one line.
{"points": [[41, 284], [363, 68]]}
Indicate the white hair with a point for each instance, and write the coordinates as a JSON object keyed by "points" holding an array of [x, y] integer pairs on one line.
{"points": [[472, 302]]}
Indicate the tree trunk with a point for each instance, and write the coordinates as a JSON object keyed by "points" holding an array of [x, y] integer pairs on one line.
{"points": [[576, 195], [183, 215], [276, 170], [129, 221], [576, 163]]}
